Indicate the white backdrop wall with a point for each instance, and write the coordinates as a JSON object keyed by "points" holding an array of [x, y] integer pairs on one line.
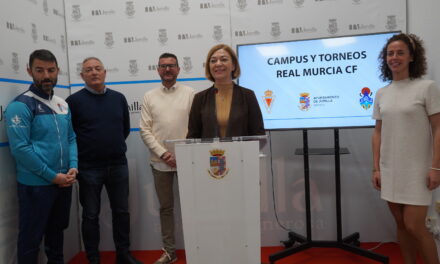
{"points": [[26, 25], [130, 35], [130, 52]]}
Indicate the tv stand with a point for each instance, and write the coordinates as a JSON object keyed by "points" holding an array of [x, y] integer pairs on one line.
{"points": [[350, 243]]}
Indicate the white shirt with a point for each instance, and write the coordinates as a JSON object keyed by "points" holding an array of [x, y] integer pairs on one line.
{"points": [[164, 116]]}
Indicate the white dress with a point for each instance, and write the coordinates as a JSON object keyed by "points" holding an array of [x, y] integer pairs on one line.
{"points": [[406, 141]]}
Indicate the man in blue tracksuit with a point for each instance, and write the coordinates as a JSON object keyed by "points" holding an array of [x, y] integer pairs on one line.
{"points": [[42, 141]]}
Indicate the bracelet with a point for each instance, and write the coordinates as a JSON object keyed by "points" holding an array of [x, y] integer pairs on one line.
{"points": [[437, 169], [374, 170]]}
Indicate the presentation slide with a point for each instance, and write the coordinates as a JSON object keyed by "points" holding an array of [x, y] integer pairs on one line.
{"points": [[318, 83]]}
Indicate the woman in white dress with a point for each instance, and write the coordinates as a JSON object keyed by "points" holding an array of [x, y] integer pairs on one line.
{"points": [[406, 144]]}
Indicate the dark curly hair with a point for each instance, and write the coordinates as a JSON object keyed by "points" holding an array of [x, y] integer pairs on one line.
{"points": [[417, 68]]}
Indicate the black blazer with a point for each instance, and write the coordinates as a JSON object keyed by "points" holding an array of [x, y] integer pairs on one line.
{"points": [[245, 117]]}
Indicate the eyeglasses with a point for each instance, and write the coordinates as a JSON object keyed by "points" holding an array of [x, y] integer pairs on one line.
{"points": [[164, 66]]}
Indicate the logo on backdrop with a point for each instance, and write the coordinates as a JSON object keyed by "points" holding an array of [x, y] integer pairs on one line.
{"points": [[58, 13], [187, 36], [102, 12], [275, 30], [391, 23], [187, 64], [268, 100], [151, 9], [246, 33], [366, 100], [15, 27], [218, 33], [133, 67], [132, 39], [298, 3], [110, 70], [78, 69], [34, 32], [297, 30], [1, 61], [63, 42], [152, 67], [184, 6], [15, 65], [163, 38], [134, 107], [109, 41], [217, 164], [332, 26], [208, 5], [129, 9], [33, 1], [49, 39], [45, 7], [241, 5], [76, 12], [269, 2], [63, 73], [360, 27], [356, 2], [304, 101], [81, 42]]}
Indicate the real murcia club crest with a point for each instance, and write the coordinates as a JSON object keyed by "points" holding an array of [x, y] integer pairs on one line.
{"points": [[163, 38], [15, 65], [304, 101], [133, 67], [268, 100], [275, 31], [76, 12], [129, 8], [187, 64], [332, 26], [391, 22], [218, 34], [241, 4], [109, 41], [217, 164]]}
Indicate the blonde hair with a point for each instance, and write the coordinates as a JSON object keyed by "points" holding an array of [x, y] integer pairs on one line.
{"points": [[235, 72]]}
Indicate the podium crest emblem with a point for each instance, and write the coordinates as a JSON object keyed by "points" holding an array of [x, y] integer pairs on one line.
{"points": [[217, 164]]}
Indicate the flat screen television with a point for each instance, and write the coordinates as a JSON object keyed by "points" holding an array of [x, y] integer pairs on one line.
{"points": [[314, 83]]}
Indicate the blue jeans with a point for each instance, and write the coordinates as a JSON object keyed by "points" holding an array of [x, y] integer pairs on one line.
{"points": [[91, 181], [43, 211]]}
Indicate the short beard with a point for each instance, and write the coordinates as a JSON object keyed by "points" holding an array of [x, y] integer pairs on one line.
{"points": [[46, 88]]}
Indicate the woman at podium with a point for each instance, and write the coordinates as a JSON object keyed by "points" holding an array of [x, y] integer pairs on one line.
{"points": [[225, 109], [406, 144]]}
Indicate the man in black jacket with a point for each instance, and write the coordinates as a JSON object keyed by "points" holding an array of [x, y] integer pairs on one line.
{"points": [[101, 122]]}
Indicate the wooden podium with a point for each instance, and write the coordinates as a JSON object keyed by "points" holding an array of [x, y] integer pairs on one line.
{"points": [[219, 187]]}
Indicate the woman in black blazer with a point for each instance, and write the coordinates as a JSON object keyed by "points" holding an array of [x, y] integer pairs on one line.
{"points": [[225, 109]]}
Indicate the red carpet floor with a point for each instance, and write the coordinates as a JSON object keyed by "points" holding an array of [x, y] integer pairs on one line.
{"points": [[310, 256]]}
